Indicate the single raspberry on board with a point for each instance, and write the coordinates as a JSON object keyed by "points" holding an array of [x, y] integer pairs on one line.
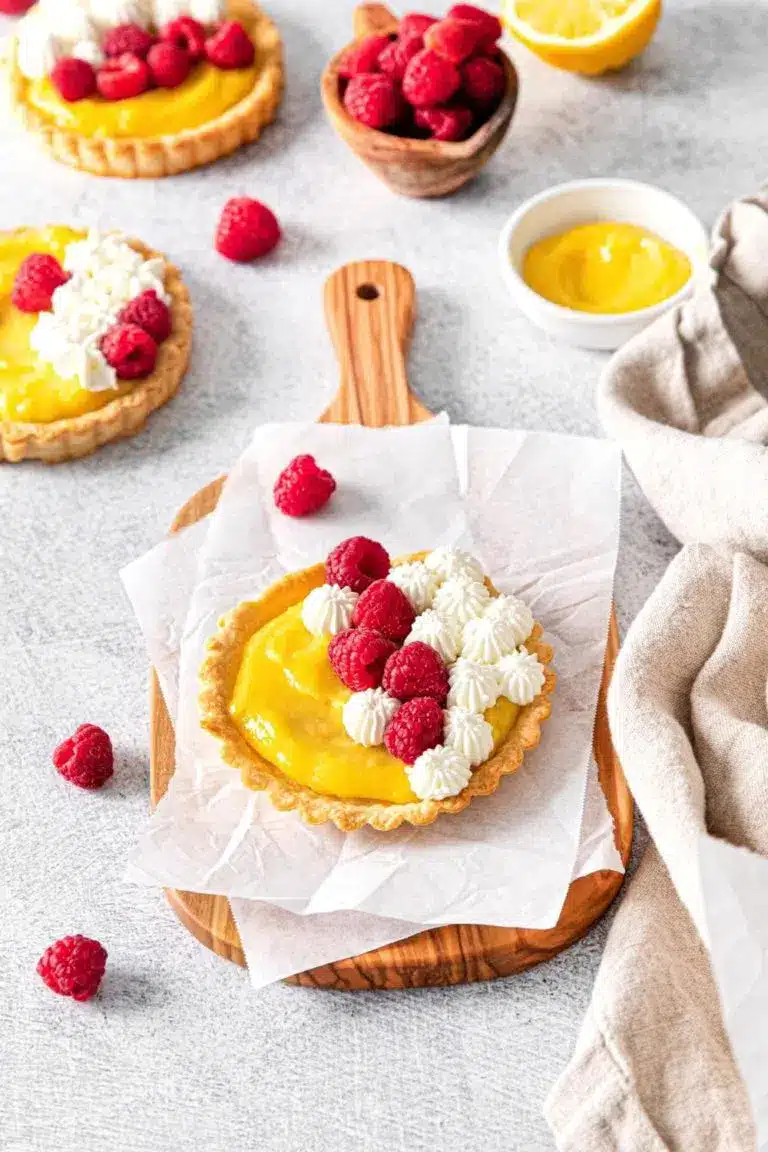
{"points": [[150, 313], [374, 99], [247, 230], [186, 33], [416, 726], [123, 77], [303, 487], [362, 56], [230, 46], [430, 79], [73, 966], [416, 670], [358, 657], [453, 123], [454, 39], [85, 759], [396, 56], [130, 38], [490, 24], [36, 281], [415, 24], [356, 563], [483, 80], [169, 64], [73, 79], [129, 350], [15, 7], [386, 608]]}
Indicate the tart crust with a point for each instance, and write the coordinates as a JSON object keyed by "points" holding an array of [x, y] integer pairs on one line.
{"points": [[67, 439], [217, 679], [152, 157]]}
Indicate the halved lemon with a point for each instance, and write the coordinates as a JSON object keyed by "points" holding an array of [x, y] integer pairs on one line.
{"points": [[590, 36]]}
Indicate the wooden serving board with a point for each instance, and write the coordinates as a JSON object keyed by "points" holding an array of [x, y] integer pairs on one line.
{"points": [[370, 309]]}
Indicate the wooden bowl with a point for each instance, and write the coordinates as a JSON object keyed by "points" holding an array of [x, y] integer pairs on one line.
{"points": [[421, 168]]}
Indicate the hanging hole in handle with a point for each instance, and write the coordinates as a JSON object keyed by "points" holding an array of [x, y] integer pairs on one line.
{"points": [[368, 292]]}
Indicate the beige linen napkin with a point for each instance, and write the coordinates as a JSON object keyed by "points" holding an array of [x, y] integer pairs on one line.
{"points": [[684, 397], [653, 1069]]}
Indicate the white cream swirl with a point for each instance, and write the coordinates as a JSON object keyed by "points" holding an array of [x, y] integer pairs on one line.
{"points": [[110, 13], [469, 733], [432, 629], [366, 714], [447, 562], [472, 686], [521, 676], [418, 583], [486, 641], [515, 613], [439, 773], [459, 600], [38, 48], [327, 610]]}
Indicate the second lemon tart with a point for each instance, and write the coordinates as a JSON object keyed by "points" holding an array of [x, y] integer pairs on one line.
{"points": [[145, 88]]}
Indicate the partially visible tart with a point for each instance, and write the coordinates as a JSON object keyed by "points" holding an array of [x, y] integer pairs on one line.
{"points": [[334, 743], [161, 131], [60, 398]]}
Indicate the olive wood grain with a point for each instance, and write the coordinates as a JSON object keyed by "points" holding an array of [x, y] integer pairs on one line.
{"points": [[412, 167], [371, 335]]}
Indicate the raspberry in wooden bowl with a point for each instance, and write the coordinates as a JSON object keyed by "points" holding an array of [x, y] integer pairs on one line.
{"points": [[423, 102]]}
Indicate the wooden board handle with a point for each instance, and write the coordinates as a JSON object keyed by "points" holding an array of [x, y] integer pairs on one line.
{"points": [[373, 20], [370, 308]]}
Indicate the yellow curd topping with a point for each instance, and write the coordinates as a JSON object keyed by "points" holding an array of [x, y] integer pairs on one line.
{"points": [[288, 704], [605, 267], [206, 94], [30, 391]]}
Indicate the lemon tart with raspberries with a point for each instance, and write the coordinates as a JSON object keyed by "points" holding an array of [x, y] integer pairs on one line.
{"points": [[95, 334], [145, 88], [360, 692]]}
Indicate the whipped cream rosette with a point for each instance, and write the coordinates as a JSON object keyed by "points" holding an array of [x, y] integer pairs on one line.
{"points": [[366, 715], [328, 610]]}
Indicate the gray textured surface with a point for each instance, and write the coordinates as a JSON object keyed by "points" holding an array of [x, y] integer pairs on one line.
{"points": [[179, 1052]]}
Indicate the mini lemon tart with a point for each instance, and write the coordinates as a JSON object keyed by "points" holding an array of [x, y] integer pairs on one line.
{"points": [[60, 397], [160, 131], [348, 724]]}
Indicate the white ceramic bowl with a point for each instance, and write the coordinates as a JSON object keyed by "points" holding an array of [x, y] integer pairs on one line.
{"points": [[582, 202]]}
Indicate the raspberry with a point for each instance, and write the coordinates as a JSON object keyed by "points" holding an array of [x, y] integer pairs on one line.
{"points": [[129, 350], [358, 657], [15, 7], [454, 39], [85, 759], [490, 25], [356, 563], [430, 79], [415, 24], [186, 33], [123, 77], [150, 313], [483, 80], [374, 100], [302, 487], [169, 64], [230, 46], [37, 279], [362, 56], [415, 727], [73, 966], [386, 608], [73, 79], [416, 670], [394, 59], [131, 38], [445, 123], [247, 230]]}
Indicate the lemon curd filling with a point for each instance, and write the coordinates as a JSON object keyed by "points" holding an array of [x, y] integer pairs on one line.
{"points": [[288, 702], [606, 268], [30, 390], [206, 94]]}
